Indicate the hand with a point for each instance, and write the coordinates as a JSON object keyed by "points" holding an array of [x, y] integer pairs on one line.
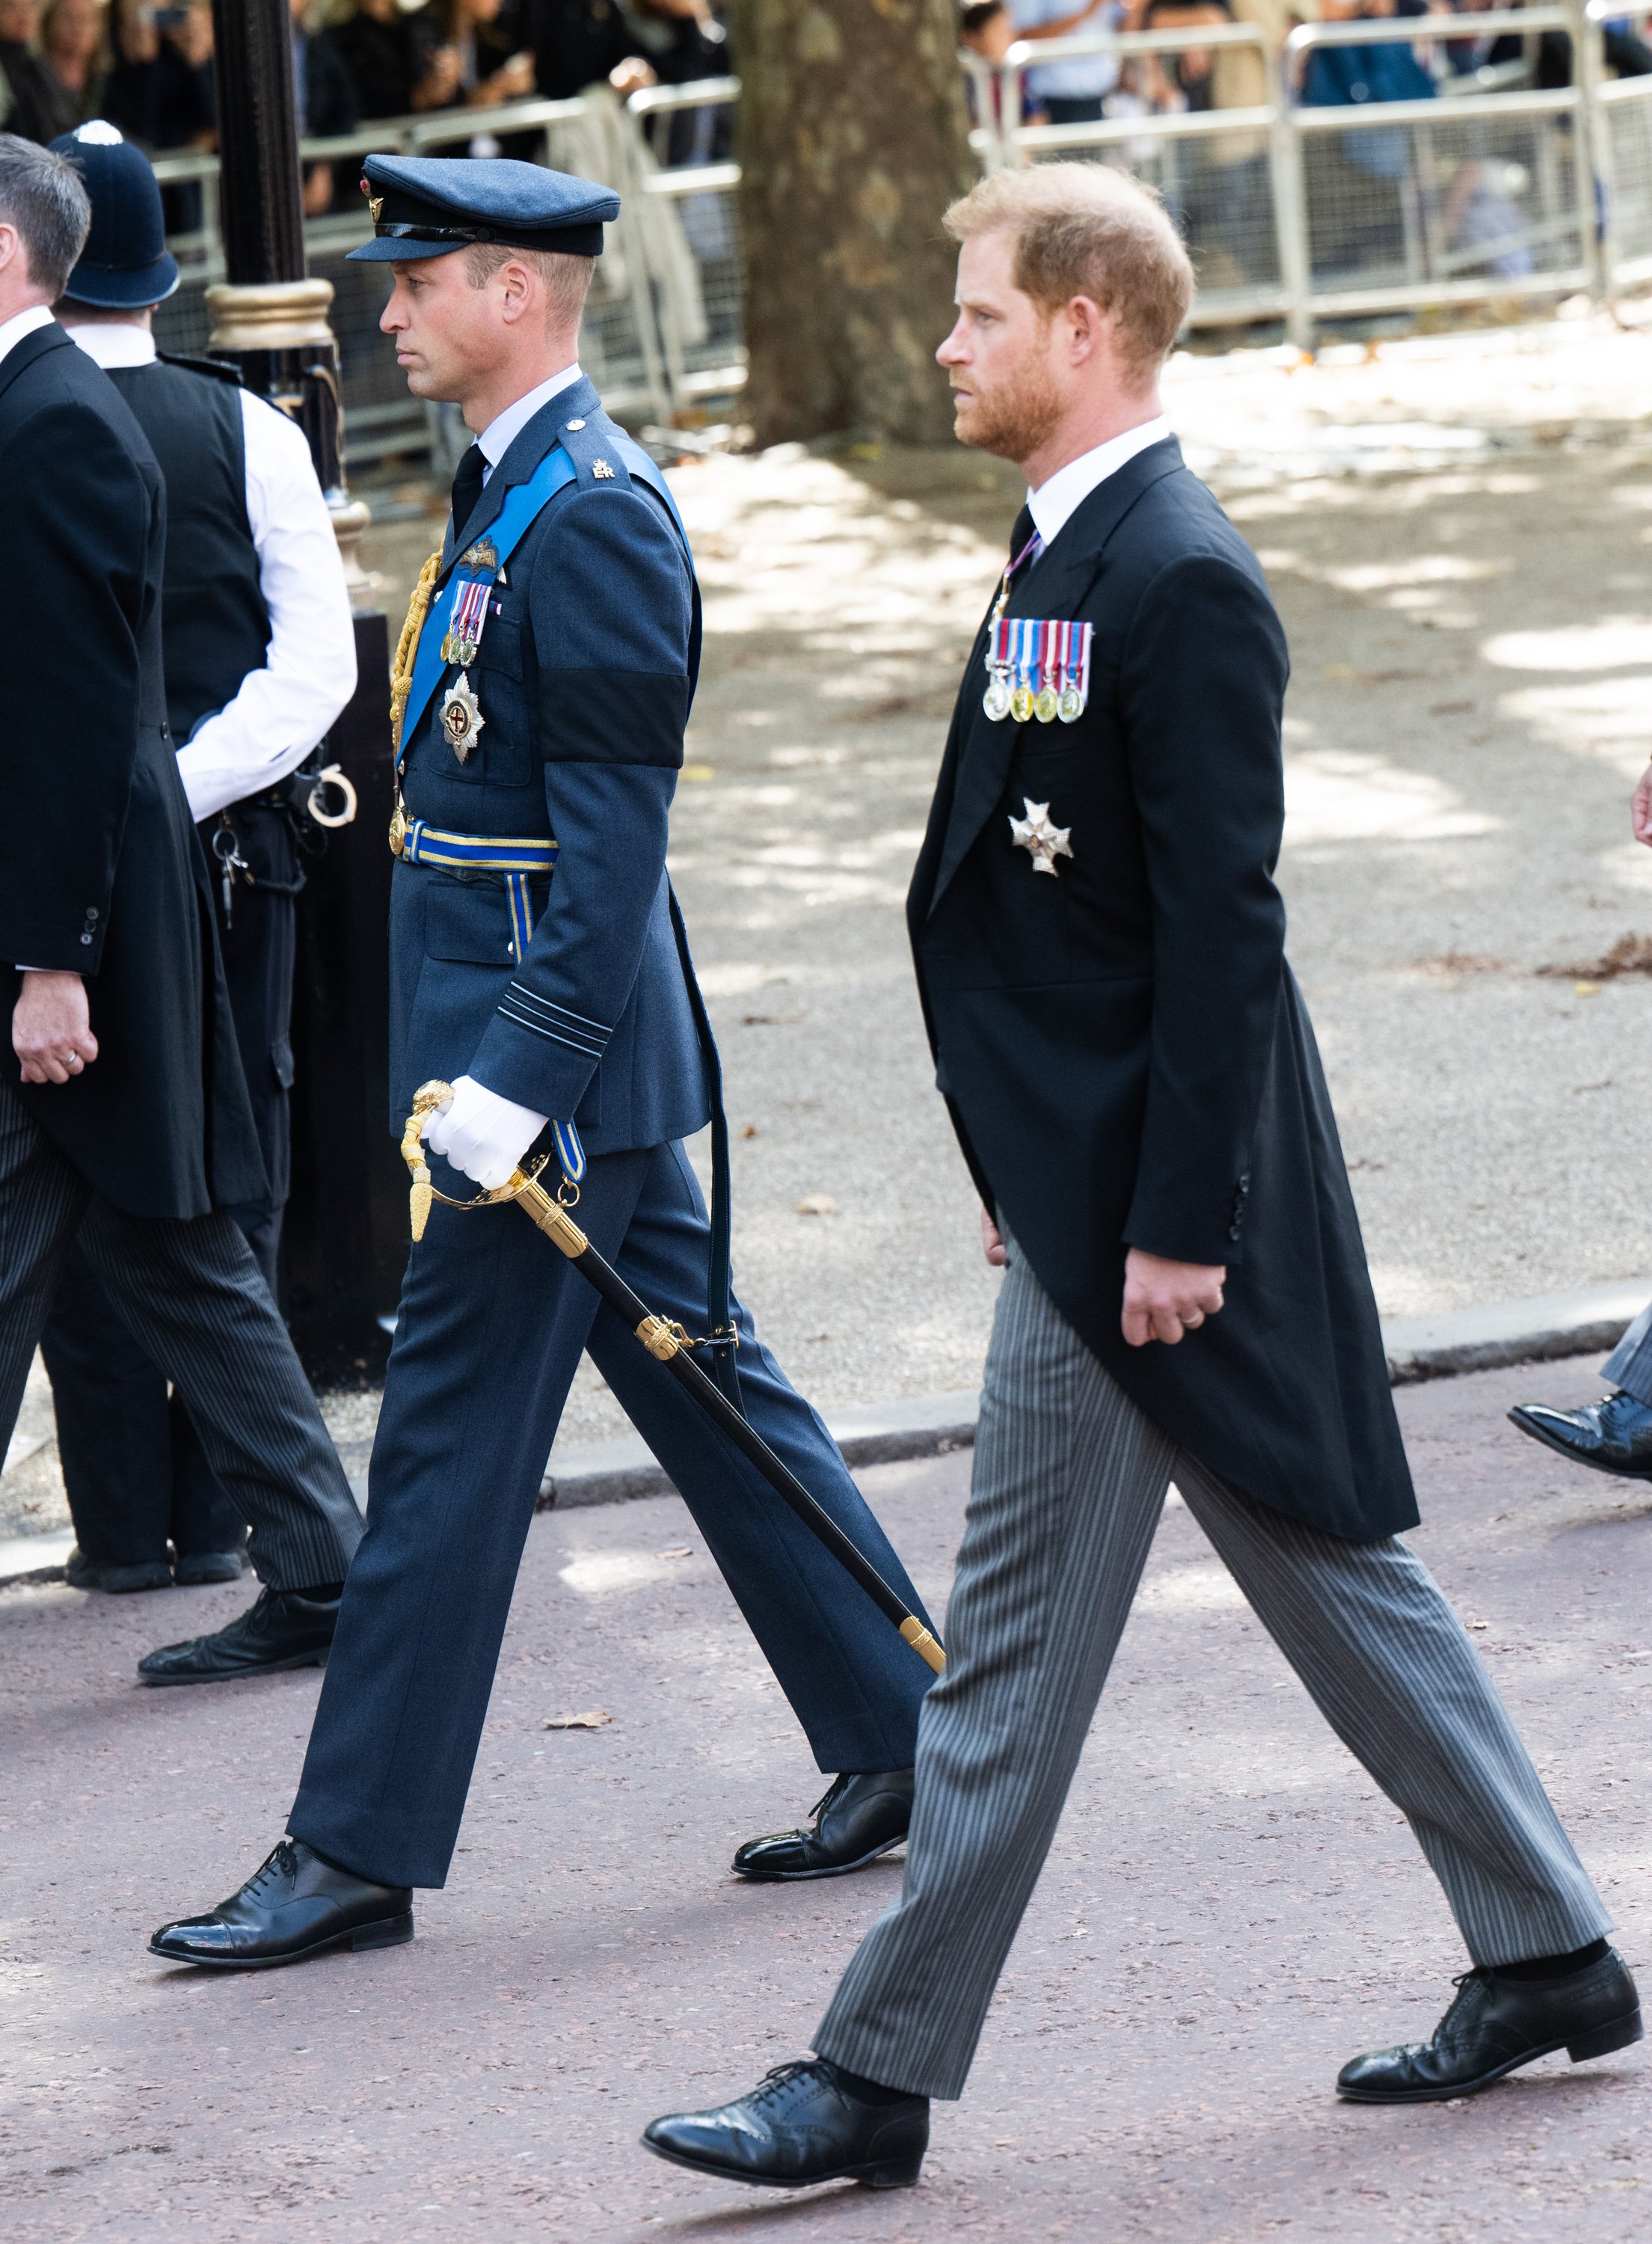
{"points": [[1641, 808], [1163, 1299], [633, 76], [484, 1135], [992, 1243], [51, 1028]]}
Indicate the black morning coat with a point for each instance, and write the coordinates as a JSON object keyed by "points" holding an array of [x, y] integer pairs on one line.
{"points": [[1125, 1052], [100, 868]]}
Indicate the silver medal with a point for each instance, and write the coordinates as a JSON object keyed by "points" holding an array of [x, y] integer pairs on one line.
{"points": [[995, 701]]}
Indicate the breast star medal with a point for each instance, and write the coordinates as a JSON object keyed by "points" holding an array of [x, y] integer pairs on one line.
{"points": [[1043, 841], [461, 718]]}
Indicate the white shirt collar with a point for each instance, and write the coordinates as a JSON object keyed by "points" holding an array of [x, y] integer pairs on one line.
{"points": [[503, 431], [112, 342], [22, 323], [1060, 495]]}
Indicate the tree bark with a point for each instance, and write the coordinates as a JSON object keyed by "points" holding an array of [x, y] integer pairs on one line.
{"points": [[853, 139]]}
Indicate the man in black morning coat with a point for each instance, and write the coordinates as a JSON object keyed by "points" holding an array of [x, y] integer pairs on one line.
{"points": [[1135, 1082], [132, 1112]]}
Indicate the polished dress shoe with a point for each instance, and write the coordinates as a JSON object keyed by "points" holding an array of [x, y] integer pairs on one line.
{"points": [[297, 1904], [84, 1573], [285, 1628], [1497, 2024], [861, 1816], [803, 2125], [1613, 1435]]}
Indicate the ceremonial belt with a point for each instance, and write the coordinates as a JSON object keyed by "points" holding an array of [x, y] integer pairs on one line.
{"points": [[518, 857]]}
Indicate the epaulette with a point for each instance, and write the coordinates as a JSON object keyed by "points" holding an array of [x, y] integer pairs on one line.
{"points": [[220, 370], [591, 441]]}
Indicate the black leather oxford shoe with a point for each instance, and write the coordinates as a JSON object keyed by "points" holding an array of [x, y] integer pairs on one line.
{"points": [[1494, 2026], [1613, 1435], [860, 1817], [800, 2127], [285, 1629], [296, 1905]]}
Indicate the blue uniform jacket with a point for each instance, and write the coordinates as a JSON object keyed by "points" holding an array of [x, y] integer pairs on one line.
{"points": [[583, 678]]}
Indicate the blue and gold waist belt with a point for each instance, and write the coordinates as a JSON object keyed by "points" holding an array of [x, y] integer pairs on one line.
{"points": [[519, 859]]}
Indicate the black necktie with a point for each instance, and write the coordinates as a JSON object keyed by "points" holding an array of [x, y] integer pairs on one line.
{"points": [[467, 489], [1021, 533]]}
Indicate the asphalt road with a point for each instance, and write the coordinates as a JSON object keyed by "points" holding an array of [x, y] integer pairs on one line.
{"points": [[1229, 1913]]}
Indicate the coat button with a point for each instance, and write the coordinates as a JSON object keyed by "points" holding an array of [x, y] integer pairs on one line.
{"points": [[1233, 1231], [85, 938]]}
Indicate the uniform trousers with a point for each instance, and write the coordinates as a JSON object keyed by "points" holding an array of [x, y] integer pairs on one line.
{"points": [[194, 1297], [1630, 1365], [133, 1465], [1069, 1480], [492, 1322]]}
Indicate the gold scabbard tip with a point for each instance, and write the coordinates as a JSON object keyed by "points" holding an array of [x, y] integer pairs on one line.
{"points": [[923, 1643], [659, 1338]]}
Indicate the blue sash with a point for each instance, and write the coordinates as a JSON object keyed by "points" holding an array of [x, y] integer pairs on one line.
{"points": [[511, 524]]}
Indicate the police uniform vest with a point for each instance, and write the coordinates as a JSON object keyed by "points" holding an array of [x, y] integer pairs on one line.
{"points": [[215, 626]]}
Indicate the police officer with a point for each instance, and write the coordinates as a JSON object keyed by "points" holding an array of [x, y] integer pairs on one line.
{"points": [[538, 964], [259, 659]]}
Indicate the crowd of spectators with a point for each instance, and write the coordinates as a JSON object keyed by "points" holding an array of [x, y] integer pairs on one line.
{"points": [[149, 68]]}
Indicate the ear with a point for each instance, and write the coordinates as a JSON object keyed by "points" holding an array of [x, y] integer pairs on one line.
{"points": [[1088, 326], [519, 286]]}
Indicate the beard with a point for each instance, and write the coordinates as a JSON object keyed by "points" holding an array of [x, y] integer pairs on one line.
{"points": [[1013, 418]]}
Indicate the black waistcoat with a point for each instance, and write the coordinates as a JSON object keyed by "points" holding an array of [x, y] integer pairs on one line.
{"points": [[214, 625]]}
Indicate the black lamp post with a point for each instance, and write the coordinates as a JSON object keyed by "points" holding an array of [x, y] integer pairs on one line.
{"points": [[344, 1240]]}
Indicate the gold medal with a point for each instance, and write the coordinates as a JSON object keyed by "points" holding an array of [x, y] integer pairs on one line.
{"points": [[1021, 704], [398, 826], [1045, 705], [462, 719]]}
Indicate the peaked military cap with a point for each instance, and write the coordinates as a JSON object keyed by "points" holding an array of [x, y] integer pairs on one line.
{"points": [[126, 264], [431, 206]]}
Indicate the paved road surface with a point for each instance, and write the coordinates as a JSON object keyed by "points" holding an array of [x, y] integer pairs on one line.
{"points": [[1229, 1913]]}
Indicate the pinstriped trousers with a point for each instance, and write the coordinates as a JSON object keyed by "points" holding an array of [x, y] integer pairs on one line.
{"points": [[1630, 1365], [196, 1301], [1069, 1483]]}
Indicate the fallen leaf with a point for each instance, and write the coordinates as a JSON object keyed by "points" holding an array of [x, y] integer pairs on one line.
{"points": [[593, 1721], [1587, 989], [700, 771], [1480, 1624], [817, 1204], [749, 1130], [676, 1550]]}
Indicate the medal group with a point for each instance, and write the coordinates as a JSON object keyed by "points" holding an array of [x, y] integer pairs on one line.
{"points": [[1037, 668]]}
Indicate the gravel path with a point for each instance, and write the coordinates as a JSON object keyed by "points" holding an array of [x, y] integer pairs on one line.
{"points": [[1229, 1912]]}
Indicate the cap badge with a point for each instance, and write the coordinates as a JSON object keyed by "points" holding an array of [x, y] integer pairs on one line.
{"points": [[462, 719], [602, 471], [1043, 841], [375, 203]]}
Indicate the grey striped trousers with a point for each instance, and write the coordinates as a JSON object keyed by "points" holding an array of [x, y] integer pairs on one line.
{"points": [[197, 1301], [1069, 1480], [1630, 1365]]}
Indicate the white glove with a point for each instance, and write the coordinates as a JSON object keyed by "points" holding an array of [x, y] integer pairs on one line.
{"points": [[484, 1135]]}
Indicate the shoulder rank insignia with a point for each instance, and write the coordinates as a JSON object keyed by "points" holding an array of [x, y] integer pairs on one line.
{"points": [[461, 718], [602, 471]]}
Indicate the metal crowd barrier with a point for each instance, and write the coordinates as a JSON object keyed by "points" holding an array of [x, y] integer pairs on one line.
{"points": [[1494, 189], [664, 327]]}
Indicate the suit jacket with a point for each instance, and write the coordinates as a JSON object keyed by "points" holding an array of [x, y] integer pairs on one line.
{"points": [[583, 678], [1126, 1054], [100, 870]]}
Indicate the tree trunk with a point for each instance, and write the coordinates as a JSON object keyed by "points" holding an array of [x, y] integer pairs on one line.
{"points": [[853, 138]]}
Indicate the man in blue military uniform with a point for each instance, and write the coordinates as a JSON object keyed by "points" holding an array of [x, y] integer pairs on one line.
{"points": [[541, 716]]}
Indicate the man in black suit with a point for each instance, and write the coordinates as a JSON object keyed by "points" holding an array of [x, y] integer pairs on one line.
{"points": [[1134, 1081], [130, 1121]]}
